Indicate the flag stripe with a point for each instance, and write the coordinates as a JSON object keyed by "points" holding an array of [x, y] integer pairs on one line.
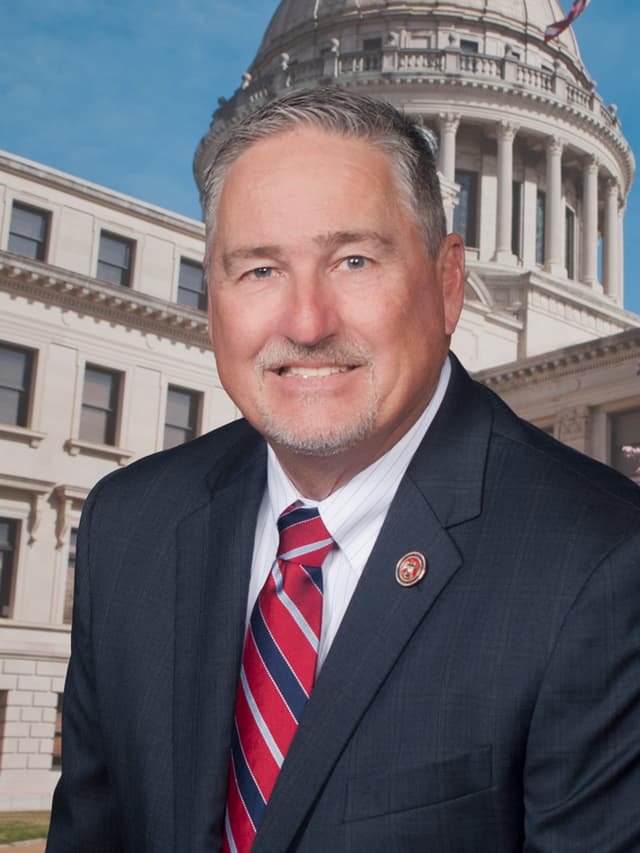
{"points": [[555, 29]]}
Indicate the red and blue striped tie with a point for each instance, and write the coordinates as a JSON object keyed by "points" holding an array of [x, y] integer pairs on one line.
{"points": [[278, 671]]}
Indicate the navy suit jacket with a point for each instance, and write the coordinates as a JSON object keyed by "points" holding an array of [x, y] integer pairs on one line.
{"points": [[493, 707]]}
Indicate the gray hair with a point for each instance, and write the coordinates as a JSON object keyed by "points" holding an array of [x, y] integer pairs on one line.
{"points": [[409, 148]]}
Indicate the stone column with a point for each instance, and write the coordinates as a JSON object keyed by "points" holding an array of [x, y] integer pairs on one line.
{"points": [[449, 123], [621, 213], [590, 223], [610, 242], [554, 220], [504, 213], [573, 427]]}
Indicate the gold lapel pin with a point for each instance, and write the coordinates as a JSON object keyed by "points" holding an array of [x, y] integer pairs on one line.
{"points": [[411, 568]]}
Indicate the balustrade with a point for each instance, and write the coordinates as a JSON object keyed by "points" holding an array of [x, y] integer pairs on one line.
{"points": [[535, 78], [579, 96], [310, 70], [428, 60], [476, 63], [401, 61]]}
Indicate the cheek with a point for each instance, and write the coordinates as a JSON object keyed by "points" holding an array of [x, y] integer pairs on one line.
{"points": [[231, 329]]}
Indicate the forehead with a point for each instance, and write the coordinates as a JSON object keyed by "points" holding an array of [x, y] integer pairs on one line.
{"points": [[306, 171], [306, 144]]}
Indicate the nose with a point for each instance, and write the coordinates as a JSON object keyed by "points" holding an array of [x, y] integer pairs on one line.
{"points": [[310, 312]]}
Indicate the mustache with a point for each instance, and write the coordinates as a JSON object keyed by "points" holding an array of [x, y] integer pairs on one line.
{"points": [[332, 352]]}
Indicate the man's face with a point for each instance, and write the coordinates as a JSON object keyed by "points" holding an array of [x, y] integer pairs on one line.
{"points": [[329, 322]]}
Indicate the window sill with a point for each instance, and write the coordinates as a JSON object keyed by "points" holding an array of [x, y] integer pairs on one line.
{"points": [[76, 447], [23, 434]]}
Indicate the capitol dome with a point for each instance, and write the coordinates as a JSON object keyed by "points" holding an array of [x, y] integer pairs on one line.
{"points": [[534, 167], [528, 17]]}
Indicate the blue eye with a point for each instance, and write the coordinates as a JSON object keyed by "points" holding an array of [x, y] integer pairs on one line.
{"points": [[356, 262], [261, 272]]}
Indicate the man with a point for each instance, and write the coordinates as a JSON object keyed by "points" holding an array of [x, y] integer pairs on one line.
{"points": [[477, 677]]}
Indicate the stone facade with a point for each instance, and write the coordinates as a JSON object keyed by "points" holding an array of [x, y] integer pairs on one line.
{"points": [[587, 395], [59, 318]]}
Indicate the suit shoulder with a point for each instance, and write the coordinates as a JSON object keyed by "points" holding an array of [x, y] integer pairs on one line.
{"points": [[187, 466]]}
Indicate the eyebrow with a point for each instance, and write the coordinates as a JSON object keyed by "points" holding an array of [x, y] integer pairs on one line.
{"points": [[340, 238], [329, 242], [248, 253]]}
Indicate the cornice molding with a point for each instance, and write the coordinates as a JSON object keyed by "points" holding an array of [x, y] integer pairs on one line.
{"points": [[562, 291], [120, 305], [103, 196], [34, 490], [593, 355]]}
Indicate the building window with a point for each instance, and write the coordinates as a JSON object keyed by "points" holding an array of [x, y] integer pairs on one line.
{"points": [[71, 574], [115, 259], [8, 539], [15, 384], [625, 432], [192, 291], [516, 218], [570, 241], [541, 201], [372, 44], [56, 757], [100, 397], [372, 60], [465, 214], [469, 55], [28, 232], [181, 422]]}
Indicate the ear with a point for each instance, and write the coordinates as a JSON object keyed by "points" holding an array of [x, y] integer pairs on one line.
{"points": [[210, 306], [451, 270]]}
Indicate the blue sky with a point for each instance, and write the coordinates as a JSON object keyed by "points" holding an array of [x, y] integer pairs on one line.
{"points": [[120, 91]]}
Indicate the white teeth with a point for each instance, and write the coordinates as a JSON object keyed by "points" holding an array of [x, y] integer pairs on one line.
{"points": [[308, 372]]}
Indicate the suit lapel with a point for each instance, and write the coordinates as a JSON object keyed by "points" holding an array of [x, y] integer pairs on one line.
{"points": [[215, 545], [443, 487]]}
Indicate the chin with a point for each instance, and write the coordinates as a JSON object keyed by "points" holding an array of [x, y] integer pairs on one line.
{"points": [[316, 441]]}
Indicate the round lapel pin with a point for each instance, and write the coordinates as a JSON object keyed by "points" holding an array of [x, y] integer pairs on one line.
{"points": [[411, 568]]}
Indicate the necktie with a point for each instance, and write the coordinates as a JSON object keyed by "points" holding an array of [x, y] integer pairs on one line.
{"points": [[278, 670]]}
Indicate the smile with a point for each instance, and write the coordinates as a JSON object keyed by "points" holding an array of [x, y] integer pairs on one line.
{"points": [[308, 372]]}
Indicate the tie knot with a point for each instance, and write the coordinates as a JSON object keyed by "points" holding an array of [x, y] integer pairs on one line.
{"points": [[303, 537]]}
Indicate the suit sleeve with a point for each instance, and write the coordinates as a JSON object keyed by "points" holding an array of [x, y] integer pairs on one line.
{"points": [[84, 815], [582, 769]]}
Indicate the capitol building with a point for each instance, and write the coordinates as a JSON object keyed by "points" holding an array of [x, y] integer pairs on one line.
{"points": [[104, 355]]}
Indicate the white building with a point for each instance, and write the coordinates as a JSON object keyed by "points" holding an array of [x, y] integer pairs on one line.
{"points": [[104, 355]]}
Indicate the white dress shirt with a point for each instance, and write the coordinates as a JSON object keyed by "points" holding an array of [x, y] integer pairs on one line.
{"points": [[353, 515]]}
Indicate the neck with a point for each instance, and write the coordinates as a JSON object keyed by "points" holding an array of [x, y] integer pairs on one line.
{"points": [[317, 477]]}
